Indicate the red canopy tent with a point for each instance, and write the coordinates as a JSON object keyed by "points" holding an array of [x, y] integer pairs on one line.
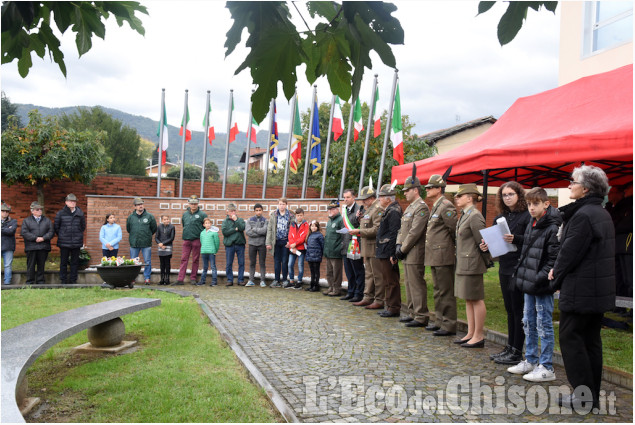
{"points": [[541, 138]]}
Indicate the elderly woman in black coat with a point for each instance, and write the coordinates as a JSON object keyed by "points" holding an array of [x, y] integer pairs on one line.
{"points": [[584, 273]]}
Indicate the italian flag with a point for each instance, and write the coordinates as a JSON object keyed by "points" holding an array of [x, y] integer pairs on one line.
{"points": [[376, 116], [397, 131], [296, 147], [210, 130], [233, 132], [357, 117], [185, 123], [254, 130], [338, 121], [163, 142]]}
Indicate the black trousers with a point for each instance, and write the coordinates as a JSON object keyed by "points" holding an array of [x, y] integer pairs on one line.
{"points": [[65, 253], [355, 274], [581, 346], [164, 261], [514, 301], [314, 266], [35, 262]]}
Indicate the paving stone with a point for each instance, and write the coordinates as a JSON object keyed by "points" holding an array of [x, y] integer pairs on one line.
{"points": [[333, 362]]}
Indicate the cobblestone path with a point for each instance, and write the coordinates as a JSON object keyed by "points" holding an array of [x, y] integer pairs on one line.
{"points": [[333, 362]]}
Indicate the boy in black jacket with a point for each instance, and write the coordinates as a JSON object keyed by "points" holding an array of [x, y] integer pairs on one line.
{"points": [[539, 252]]}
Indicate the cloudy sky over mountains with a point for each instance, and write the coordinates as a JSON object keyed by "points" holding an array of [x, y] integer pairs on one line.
{"points": [[451, 68]]}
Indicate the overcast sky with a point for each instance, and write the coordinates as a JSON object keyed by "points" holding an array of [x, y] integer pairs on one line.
{"points": [[451, 67]]}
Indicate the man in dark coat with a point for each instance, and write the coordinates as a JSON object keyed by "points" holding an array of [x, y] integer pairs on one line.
{"points": [[37, 231], [70, 224], [353, 267], [385, 250]]}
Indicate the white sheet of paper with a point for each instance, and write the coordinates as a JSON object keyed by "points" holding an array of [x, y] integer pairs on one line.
{"points": [[494, 239], [343, 231], [504, 228]]}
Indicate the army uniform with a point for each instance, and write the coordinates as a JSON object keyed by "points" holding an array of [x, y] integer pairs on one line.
{"points": [[368, 226], [440, 257], [385, 250], [411, 237]]}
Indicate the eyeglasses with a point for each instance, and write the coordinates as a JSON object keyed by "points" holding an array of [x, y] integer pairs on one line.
{"points": [[458, 196], [509, 195], [572, 182]]}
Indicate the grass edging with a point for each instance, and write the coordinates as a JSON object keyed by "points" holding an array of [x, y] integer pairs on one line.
{"points": [[276, 399]]}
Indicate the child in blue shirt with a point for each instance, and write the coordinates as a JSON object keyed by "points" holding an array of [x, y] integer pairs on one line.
{"points": [[210, 242], [110, 236]]}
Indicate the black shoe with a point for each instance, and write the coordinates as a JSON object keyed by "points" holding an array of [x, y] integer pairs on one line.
{"points": [[355, 300], [405, 319], [573, 402], [506, 350], [479, 344], [461, 341], [298, 286], [443, 332], [179, 283], [432, 328], [511, 358], [346, 297], [389, 314], [415, 324]]}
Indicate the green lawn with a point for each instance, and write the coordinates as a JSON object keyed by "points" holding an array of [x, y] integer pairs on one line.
{"points": [[617, 344], [181, 372]]}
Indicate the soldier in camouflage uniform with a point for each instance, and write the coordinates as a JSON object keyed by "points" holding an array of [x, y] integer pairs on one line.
{"points": [[411, 243], [440, 249]]}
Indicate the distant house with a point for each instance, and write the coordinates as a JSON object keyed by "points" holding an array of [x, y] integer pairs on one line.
{"points": [[151, 171], [453, 137], [258, 158]]}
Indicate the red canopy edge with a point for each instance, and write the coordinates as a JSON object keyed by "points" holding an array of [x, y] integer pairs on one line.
{"points": [[541, 138]]}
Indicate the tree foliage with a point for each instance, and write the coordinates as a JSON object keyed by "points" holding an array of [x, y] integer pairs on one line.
{"points": [[338, 47], [27, 27], [9, 109], [121, 142], [43, 151], [212, 174], [190, 172], [512, 20]]}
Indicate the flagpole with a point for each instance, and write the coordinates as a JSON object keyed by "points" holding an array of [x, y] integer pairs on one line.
{"points": [[205, 144], [183, 127], [264, 182], [249, 127], [229, 123], [388, 127], [160, 156], [328, 147], [348, 141], [309, 142], [371, 114], [294, 101]]}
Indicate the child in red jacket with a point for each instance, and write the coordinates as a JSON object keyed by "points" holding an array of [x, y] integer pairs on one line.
{"points": [[298, 231]]}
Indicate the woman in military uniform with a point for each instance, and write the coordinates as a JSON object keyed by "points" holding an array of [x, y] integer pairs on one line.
{"points": [[470, 265]]}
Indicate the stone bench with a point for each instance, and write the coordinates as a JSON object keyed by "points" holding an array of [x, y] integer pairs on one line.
{"points": [[22, 345]]}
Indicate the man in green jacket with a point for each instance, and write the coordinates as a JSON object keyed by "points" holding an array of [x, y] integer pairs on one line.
{"points": [[141, 225], [234, 240], [333, 249], [192, 221]]}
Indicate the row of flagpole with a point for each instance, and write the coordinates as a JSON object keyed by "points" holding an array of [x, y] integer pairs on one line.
{"points": [[294, 144]]}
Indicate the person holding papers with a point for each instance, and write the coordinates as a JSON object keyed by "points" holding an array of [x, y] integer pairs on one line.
{"points": [[511, 204]]}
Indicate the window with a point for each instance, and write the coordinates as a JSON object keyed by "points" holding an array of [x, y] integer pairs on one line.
{"points": [[607, 24]]}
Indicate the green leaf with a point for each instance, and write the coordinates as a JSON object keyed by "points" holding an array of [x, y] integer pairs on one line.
{"points": [[326, 9], [24, 64], [511, 22], [87, 23], [484, 6]]}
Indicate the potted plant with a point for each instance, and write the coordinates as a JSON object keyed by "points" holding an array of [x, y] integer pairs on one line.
{"points": [[84, 258], [119, 271]]}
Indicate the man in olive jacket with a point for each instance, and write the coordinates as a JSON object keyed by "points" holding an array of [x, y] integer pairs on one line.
{"points": [[233, 229], [440, 256], [70, 224], [411, 243], [192, 221], [333, 249], [141, 225]]}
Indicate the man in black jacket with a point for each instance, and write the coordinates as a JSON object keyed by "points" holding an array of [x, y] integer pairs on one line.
{"points": [[385, 250], [37, 231], [353, 267], [9, 226], [70, 224]]}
